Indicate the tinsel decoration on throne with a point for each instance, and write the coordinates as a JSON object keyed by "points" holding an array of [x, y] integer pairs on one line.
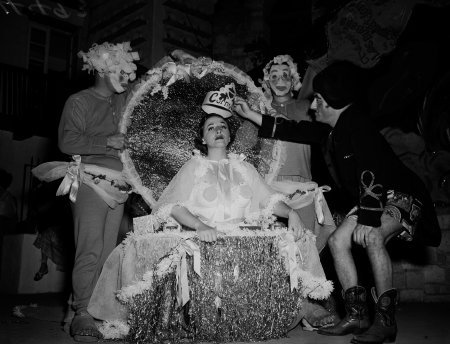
{"points": [[246, 286], [162, 116], [243, 294]]}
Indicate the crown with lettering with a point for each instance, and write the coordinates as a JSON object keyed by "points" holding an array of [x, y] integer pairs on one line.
{"points": [[220, 102]]}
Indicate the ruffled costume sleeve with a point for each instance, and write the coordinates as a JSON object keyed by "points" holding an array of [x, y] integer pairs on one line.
{"points": [[264, 197], [178, 191]]}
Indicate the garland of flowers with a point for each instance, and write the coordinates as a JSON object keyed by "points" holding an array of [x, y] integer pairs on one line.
{"points": [[121, 186]]}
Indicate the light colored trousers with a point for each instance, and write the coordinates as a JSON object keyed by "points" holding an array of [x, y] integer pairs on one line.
{"points": [[96, 227]]}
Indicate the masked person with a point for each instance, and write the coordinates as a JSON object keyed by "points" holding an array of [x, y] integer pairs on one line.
{"points": [[281, 78], [293, 165], [390, 200], [88, 131]]}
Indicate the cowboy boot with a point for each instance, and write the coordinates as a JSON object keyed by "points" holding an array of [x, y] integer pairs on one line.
{"points": [[356, 319], [384, 327]]}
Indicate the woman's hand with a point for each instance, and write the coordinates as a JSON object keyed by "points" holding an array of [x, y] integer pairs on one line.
{"points": [[295, 224], [206, 233]]}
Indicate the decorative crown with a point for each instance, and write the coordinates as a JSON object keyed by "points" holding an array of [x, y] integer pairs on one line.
{"points": [[220, 102]]}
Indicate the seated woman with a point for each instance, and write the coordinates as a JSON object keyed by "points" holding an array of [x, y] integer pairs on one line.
{"points": [[213, 193]]}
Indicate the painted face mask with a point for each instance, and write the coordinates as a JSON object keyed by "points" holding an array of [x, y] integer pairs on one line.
{"points": [[281, 75], [114, 60], [280, 79]]}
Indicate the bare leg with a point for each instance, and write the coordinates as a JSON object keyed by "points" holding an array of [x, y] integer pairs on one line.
{"points": [[378, 255], [340, 243], [384, 326], [356, 318]]}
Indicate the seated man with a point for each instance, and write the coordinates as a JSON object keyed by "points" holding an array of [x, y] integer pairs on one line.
{"points": [[390, 200]]}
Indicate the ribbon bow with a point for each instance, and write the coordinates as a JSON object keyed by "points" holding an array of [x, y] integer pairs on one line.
{"points": [[72, 179], [369, 190], [192, 249], [289, 249], [318, 202], [178, 72]]}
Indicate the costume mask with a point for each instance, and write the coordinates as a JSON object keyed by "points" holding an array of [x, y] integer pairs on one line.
{"points": [[114, 60], [281, 75], [280, 79]]}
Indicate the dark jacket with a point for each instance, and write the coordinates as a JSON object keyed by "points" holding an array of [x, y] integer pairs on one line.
{"points": [[362, 164]]}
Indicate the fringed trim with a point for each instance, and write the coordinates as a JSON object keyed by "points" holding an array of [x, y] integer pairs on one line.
{"points": [[307, 235], [175, 260], [115, 329], [265, 217], [125, 294], [132, 178], [278, 159], [318, 288], [273, 200], [163, 213], [242, 231], [311, 286], [133, 100], [314, 287]]}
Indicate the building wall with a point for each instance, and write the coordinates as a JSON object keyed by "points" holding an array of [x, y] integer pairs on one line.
{"points": [[426, 280], [117, 21], [13, 35], [15, 155], [154, 27], [32, 100], [239, 31]]}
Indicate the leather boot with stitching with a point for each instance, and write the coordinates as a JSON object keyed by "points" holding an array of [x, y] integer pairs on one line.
{"points": [[356, 319], [384, 327]]}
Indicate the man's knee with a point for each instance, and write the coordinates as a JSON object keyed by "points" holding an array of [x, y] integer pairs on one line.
{"points": [[340, 239], [338, 242]]}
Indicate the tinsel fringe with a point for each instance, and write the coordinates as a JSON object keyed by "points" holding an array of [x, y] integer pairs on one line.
{"points": [[114, 329], [275, 159], [126, 294], [152, 83], [313, 287]]}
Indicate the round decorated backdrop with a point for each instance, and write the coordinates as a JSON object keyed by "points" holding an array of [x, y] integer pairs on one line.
{"points": [[162, 116]]}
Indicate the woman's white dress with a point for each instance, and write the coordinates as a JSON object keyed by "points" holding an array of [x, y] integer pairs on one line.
{"points": [[225, 194]]}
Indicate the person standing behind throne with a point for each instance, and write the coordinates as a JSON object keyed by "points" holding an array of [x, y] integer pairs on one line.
{"points": [[281, 78], [88, 131]]}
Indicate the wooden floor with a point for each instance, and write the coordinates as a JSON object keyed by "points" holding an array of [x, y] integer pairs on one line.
{"points": [[418, 323]]}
